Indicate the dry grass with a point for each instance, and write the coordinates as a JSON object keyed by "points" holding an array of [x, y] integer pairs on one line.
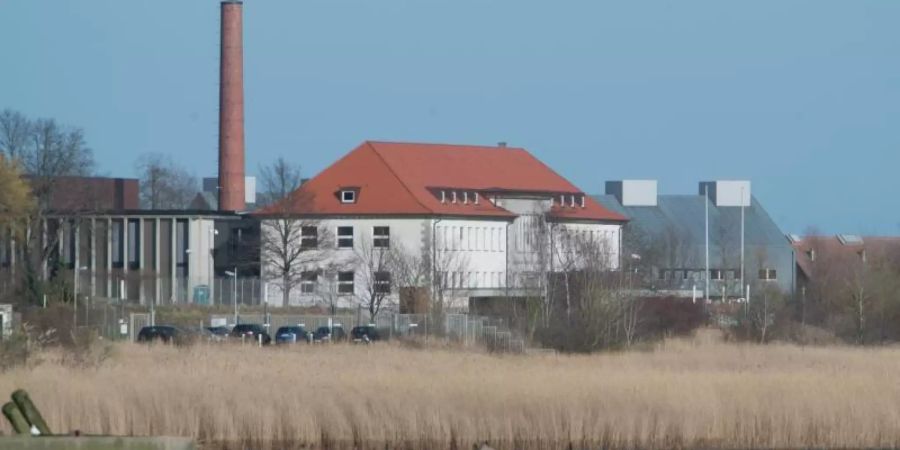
{"points": [[698, 392]]}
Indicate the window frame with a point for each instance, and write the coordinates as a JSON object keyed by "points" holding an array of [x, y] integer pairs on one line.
{"points": [[304, 238], [352, 194], [308, 281], [344, 238], [768, 274], [343, 284], [381, 240], [382, 286]]}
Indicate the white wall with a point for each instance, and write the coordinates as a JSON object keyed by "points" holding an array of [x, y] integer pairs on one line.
{"points": [[475, 254], [200, 257]]}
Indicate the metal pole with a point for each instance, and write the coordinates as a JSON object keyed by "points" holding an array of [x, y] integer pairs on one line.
{"points": [[234, 295], [74, 301], [706, 205], [266, 304], [743, 229]]}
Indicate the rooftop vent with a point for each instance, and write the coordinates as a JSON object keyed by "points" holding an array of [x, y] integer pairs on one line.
{"points": [[727, 192], [633, 192]]}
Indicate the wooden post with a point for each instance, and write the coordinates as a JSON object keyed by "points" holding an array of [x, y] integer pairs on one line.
{"points": [[31, 413], [15, 418]]}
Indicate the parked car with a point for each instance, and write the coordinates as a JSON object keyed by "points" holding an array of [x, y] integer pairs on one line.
{"points": [[365, 334], [219, 333], [332, 334], [166, 334], [291, 334], [251, 331]]}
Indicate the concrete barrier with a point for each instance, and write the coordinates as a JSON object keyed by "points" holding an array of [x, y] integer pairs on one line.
{"points": [[95, 443]]}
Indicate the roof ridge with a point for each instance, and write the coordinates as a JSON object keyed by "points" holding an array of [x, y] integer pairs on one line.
{"points": [[399, 180], [444, 144]]}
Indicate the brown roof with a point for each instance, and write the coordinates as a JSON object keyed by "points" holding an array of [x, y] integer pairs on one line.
{"points": [[407, 179], [836, 247], [74, 193]]}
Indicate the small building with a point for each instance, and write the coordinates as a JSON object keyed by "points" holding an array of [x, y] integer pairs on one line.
{"points": [[836, 255], [666, 239], [96, 237]]}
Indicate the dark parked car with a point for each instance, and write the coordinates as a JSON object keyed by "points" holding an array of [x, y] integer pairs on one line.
{"points": [[160, 333], [365, 333], [326, 334], [291, 334], [251, 331]]}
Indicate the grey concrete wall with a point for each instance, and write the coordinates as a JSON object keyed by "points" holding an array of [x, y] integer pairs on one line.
{"points": [[95, 443]]}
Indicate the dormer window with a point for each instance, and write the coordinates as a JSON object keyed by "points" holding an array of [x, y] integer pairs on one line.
{"points": [[572, 201], [476, 198], [348, 196], [582, 201], [453, 196], [443, 197]]}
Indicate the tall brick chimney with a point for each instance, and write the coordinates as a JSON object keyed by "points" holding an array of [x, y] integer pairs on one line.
{"points": [[231, 108]]}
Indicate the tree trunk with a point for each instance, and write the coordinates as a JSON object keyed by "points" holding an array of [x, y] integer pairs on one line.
{"points": [[285, 289]]}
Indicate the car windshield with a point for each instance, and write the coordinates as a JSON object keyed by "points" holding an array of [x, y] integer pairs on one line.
{"points": [[323, 330], [294, 330]]}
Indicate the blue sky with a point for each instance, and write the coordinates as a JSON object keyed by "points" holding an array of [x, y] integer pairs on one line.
{"points": [[801, 97]]}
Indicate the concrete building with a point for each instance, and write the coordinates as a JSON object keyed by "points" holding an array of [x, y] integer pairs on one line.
{"points": [[472, 213], [666, 238]]}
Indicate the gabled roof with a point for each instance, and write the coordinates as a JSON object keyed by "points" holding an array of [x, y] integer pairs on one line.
{"points": [[407, 178]]}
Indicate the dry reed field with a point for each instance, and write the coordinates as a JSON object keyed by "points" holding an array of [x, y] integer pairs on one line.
{"points": [[684, 393]]}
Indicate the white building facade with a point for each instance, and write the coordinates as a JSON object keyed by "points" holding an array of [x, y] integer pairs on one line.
{"points": [[486, 237]]}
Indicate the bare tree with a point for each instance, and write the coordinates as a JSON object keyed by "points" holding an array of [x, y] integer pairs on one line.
{"points": [[443, 264], [15, 133], [376, 265], [289, 243], [164, 184], [47, 153]]}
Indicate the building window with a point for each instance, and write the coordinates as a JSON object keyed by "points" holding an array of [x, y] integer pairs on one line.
{"points": [[345, 237], [811, 254], [768, 274], [381, 237], [309, 237], [308, 282], [348, 196], [345, 283], [716, 274], [383, 282]]}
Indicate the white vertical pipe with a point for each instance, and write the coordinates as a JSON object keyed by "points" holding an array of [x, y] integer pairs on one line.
{"points": [[706, 205], [743, 205]]}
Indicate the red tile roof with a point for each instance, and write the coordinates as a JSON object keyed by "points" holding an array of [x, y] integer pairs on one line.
{"points": [[406, 179]]}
